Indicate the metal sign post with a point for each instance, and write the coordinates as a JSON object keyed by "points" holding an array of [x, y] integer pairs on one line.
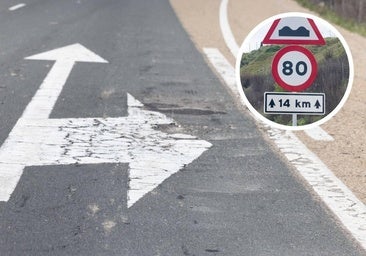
{"points": [[294, 119]]}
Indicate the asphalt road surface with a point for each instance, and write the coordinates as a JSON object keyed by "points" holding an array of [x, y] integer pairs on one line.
{"points": [[233, 194]]}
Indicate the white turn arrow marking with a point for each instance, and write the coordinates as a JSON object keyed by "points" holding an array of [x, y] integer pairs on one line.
{"points": [[36, 140]]}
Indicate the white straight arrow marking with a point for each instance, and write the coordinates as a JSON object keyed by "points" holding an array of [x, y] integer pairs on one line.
{"points": [[65, 57], [36, 140]]}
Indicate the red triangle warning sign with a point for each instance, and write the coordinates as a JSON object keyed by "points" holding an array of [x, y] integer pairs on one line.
{"points": [[294, 30]]}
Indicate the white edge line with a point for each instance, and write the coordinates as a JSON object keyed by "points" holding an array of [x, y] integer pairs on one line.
{"points": [[317, 133], [334, 193], [223, 67], [226, 30], [338, 198], [16, 7]]}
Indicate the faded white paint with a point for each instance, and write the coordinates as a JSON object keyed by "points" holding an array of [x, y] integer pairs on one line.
{"points": [[17, 6], [36, 140], [317, 133], [349, 209], [223, 67]]}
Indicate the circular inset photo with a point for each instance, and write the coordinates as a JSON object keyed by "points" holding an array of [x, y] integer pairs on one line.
{"points": [[294, 71]]}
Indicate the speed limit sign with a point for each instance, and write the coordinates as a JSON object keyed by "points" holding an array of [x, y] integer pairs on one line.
{"points": [[294, 68], [282, 58]]}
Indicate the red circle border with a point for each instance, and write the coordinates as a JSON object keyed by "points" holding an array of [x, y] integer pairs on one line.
{"points": [[283, 84]]}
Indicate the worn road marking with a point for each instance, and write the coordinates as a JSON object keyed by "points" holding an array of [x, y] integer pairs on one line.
{"points": [[16, 7], [317, 133], [344, 204], [224, 68], [36, 140]]}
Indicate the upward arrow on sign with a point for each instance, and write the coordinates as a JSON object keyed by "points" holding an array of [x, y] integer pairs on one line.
{"points": [[271, 103], [317, 104], [37, 140]]}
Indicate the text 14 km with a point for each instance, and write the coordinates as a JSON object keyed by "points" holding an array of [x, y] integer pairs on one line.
{"points": [[298, 103]]}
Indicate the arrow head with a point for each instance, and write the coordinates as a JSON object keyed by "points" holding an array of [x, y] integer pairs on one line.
{"points": [[272, 104], [317, 104], [71, 53]]}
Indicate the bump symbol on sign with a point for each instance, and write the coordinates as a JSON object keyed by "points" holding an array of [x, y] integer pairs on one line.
{"points": [[300, 32]]}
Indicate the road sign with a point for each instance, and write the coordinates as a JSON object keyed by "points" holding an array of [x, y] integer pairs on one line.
{"points": [[294, 68], [294, 103], [294, 30], [37, 140]]}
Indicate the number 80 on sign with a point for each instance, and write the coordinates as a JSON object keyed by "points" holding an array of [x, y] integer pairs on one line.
{"points": [[294, 68]]}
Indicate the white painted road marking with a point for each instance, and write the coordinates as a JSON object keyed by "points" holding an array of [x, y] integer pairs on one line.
{"points": [[224, 67], [16, 7], [346, 206], [45, 98], [226, 30], [35, 140], [319, 134]]}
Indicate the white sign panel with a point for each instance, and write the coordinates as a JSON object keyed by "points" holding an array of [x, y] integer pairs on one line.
{"points": [[294, 103], [294, 30]]}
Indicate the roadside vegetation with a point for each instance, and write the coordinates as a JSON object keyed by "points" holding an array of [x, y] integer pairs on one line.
{"points": [[332, 77], [350, 14]]}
